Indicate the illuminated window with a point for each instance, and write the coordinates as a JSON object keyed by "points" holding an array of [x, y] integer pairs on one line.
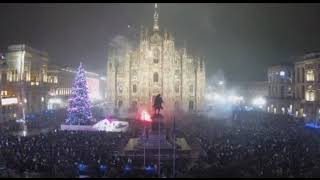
{"points": [[134, 88], [310, 95], [155, 77], [310, 75], [282, 73], [55, 79]]}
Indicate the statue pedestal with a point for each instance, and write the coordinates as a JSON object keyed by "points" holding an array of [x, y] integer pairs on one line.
{"points": [[148, 148], [157, 120]]}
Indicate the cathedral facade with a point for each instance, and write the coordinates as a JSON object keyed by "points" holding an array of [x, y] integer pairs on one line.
{"points": [[135, 75]]}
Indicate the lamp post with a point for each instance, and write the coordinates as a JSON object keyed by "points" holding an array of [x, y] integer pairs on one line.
{"points": [[174, 147], [144, 141], [159, 150], [3, 66]]}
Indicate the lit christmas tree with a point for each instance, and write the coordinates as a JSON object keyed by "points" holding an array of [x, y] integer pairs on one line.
{"points": [[79, 110]]}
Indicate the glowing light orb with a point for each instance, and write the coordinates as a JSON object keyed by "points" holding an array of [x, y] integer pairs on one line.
{"points": [[145, 116], [259, 101]]}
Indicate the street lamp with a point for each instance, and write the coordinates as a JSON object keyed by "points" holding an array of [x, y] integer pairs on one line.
{"points": [[3, 67], [145, 117]]}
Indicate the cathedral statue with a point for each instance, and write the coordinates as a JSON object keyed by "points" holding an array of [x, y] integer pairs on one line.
{"points": [[158, 104]]}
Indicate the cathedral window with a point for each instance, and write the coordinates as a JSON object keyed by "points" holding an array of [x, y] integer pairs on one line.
{"points": [[191, 88], [134, 74], [176, 88], [156, 61], [120, 88], [177, 73], [120, 103], [191, 106], [155, 77], [156, 55], [134, 88]]}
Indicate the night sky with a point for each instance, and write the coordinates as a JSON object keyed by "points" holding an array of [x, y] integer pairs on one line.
{"points": [[241, 39]]}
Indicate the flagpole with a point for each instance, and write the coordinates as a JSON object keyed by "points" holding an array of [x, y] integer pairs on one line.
{"points": [[144, 143], [159, 150], [174, 146]]}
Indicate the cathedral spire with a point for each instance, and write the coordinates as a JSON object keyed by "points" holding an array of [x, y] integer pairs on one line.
{"points": [[141, 33], [155, 18]]}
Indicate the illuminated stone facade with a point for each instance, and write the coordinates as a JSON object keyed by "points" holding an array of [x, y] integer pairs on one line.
{"points": [[36, 85], [60, 81], [136, 75], [307, 84], [281, 90], [26, 77], [294, 89]]}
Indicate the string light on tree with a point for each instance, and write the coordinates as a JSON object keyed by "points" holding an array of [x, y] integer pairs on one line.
{"points": [[79, 110]]}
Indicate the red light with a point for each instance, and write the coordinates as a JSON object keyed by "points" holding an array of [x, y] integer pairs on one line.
{"points": [[145, 116]]}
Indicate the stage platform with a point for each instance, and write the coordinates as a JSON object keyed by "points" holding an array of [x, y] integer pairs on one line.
{"points": [[135, 146]]}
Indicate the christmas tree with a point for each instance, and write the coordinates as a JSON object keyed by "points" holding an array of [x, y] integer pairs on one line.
{"points": [[79, 110]]}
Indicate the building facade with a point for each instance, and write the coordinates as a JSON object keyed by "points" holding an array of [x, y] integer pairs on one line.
{"points": [[26, 78], [60, 81], [7, 104], [281, 90], [307, 84], [136, 74], [294, 89], [60, 84], [30, 85]]}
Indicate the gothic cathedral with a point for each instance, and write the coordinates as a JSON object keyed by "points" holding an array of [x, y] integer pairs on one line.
{"points": [[155, 66]]}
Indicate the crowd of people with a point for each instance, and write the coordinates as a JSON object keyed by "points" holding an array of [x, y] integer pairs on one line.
{"points": [[60, 153], [255, 144]]}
